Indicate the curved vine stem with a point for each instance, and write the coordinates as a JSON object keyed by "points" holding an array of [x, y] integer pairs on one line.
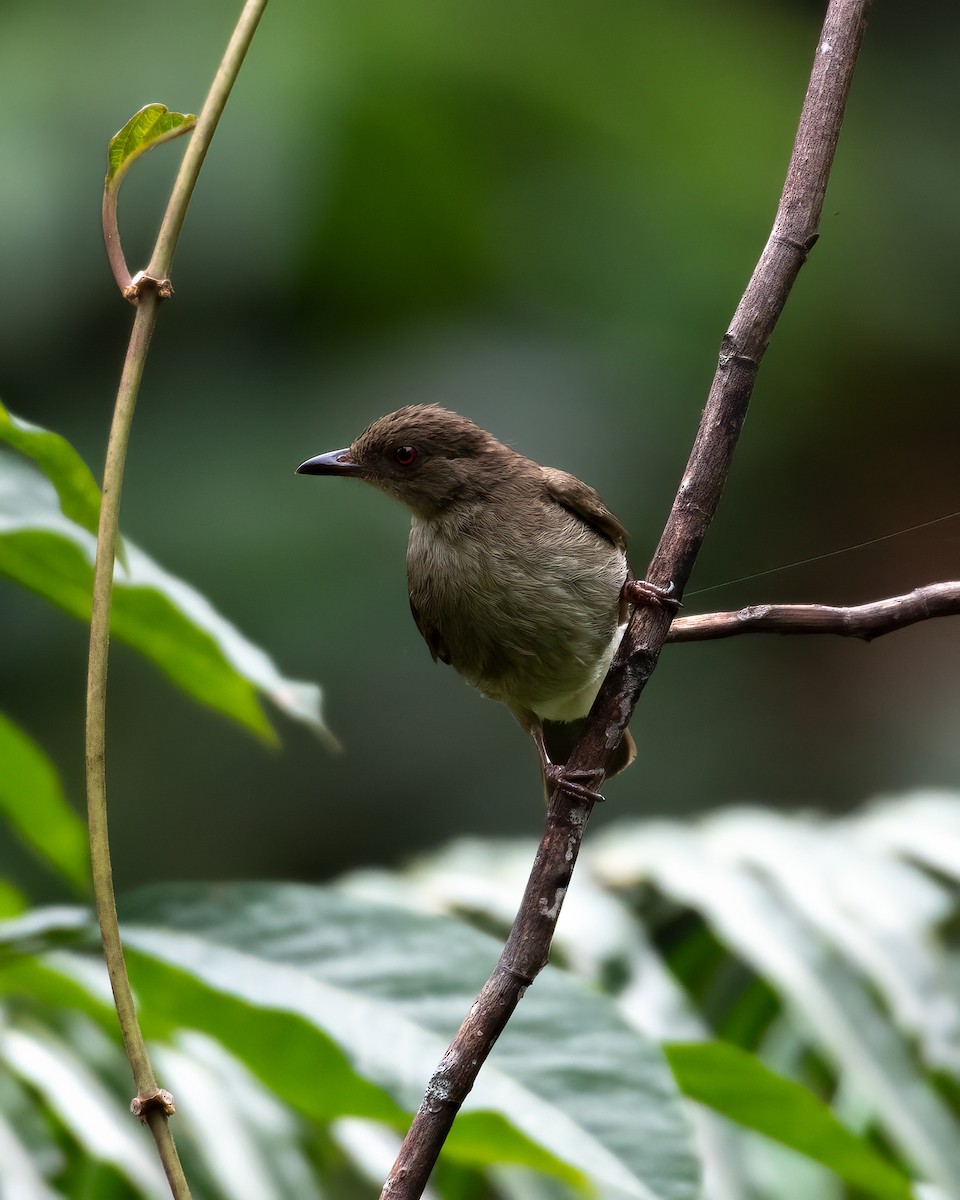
{"points": [[151, 1103]]}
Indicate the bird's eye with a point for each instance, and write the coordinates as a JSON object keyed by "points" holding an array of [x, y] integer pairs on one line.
{"points": [[405, 455]]}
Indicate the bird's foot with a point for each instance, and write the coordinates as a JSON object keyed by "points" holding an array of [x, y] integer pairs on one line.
{"points": [[639, 591], [574, 783]]}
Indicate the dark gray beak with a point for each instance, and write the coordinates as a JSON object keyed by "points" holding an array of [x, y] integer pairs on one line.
{"points": [[334, 462]]}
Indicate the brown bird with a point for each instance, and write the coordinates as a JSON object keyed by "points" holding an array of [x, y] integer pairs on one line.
{"points": [[516, 572]]}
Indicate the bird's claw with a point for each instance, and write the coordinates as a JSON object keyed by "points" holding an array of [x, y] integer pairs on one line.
{"points": [[640, 591], [574, 783]]}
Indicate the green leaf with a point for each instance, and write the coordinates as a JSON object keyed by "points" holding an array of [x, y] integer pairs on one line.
{"points": [[922, 826], [872, 907], [369, 995], [247, 1141], [60, 979], [62, 465], [27, 1146], [12, 901], [739, 1086], [697, 867], [151, 126], [157, 614], [32, 801], [95, 1118]]}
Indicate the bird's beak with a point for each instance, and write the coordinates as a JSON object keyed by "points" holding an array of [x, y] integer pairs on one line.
{"points": [[334, 462]]}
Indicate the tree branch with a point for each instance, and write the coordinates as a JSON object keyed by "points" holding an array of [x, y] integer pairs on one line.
{"points": [[528, 946], [865, 621]]}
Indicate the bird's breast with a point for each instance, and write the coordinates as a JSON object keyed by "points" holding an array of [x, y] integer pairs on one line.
{"points": [[527, 612]]}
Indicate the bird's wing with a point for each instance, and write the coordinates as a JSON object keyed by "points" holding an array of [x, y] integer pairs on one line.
{"points": [[581, 500], [431, 636]]}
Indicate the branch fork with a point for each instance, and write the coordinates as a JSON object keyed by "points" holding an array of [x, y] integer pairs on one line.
{"points": [[142, 282], [528, 946]]}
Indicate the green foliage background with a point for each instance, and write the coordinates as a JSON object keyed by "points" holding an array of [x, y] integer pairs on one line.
{"points": [[541, 215]]}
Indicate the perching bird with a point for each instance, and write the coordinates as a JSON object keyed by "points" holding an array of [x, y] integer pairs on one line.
{"points": [[516, 572]]}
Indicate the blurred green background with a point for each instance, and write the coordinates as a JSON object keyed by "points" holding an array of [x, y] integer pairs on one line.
{"points": [[542, 215]]}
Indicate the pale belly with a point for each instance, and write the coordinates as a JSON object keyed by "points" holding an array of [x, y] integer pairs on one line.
{"points": [[569, 706], [532, 625]]}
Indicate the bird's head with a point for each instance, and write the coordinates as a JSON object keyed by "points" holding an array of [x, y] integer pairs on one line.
{"points": [[424, 455]]}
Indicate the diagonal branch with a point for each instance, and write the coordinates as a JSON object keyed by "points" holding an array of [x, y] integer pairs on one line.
{"points": [[528, 946], [865, 621], [795, 230]]}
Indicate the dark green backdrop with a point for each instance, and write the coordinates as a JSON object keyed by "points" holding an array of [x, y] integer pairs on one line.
{"points": [[542, 214]]}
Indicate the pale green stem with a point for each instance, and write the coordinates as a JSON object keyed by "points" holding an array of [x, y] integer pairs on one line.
{"points": [[111, 239], [143, 327], [199, 142]]}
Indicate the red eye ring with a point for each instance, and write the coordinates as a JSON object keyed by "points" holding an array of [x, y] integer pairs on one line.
{"points": [[406, 456]]}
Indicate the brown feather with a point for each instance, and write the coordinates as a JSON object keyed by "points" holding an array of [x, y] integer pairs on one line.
{"points": [[579, 498]]}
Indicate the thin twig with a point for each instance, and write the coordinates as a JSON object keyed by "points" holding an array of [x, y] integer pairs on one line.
{"points": [[151, 1103], [865, 621], [528, 945], [111, 241]]}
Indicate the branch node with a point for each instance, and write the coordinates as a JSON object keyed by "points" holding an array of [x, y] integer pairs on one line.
{"points": [[802, 248], [522, 977], [730, 353], [921, 599], [141, 282], [438, 1094], [141, 1105]]}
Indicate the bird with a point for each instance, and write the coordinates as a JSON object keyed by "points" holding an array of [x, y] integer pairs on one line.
{"points": [[517, 573]]}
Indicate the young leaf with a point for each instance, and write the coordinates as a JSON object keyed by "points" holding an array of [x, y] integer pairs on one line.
{"points": [[151, 126], [738, 1085], [32, 801]]}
